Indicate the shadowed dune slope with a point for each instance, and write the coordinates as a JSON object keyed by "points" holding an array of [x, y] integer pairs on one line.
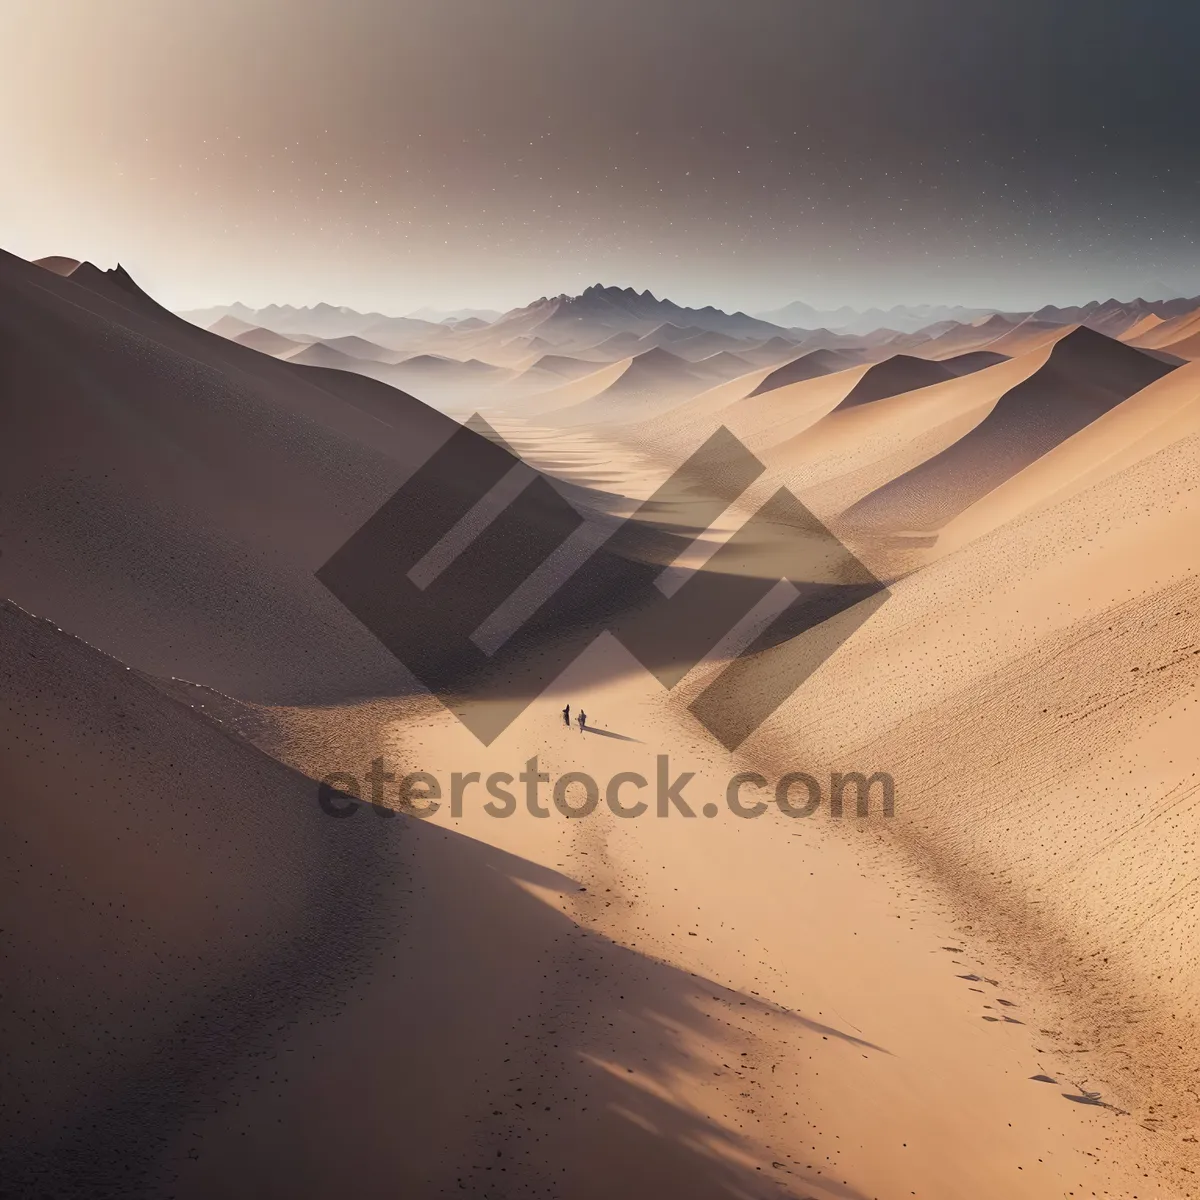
{"points": [[904, 373], [972, 361], [900, 373], [1165, 412], [57, 263], [172, 898], [168, 494], [1084, 375], [578, 391], [212, 987], [807, 366], [840, 458], [653, 381]]}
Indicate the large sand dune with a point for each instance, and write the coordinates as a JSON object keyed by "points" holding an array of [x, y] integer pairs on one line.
{"points": [[1084, 375], [850, 451], [649, 382], [1037, 690], [173, 492], [1164, 412], [808, 366]]}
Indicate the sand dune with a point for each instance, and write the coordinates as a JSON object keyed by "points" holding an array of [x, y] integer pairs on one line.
{"points": [[1179, 336], [190, 549], [835, 461], [242, 963], [358, 347], [1157, 416], [266, 341], [1139, 328], [442, 380], [676, 432], [808, 366], [753, 415], [117, 285], [185, 888], [1030, 334], [961, 338], [704, 344], [578, 391], [233, 327], [649, 383], [900, 373], [666, 333], [722, 365], [58, 264], [1036, 690], [1162, 335], [559, 366], [972, 360], [1084, 375], [773, 350], [1187, 346], [904, 373], [321, 354], [619, 345], [765, 416], [761, 418]]}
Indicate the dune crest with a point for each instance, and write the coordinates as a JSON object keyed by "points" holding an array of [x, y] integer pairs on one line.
{"points": [[1084, 375]]}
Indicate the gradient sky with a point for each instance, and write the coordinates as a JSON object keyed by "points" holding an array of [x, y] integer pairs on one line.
{"points": [[389, 154]]}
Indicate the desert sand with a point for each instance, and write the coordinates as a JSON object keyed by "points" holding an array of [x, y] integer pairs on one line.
{"points": [[220, 987]]}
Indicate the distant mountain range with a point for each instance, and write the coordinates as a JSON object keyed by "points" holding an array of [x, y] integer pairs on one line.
{"points": [[321, 320], [555, 317], [625, 309], [615, 313], [901, 318], [441, 316]]}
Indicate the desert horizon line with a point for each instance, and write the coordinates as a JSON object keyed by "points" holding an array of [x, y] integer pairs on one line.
{"points": [[439, 315], [762, 312]]}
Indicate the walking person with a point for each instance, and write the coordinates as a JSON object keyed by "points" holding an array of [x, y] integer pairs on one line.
{"points": [[582, 720], [567, 716]]}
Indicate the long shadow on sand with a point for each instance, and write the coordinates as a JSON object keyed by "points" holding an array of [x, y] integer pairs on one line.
{"points": [[608, 733], [216, 988]]}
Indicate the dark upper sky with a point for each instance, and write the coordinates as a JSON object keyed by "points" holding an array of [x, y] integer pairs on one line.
{"points": [[394, 153]]}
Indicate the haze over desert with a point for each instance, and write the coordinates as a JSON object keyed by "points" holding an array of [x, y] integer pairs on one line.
{"points": [[599, 601]]}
